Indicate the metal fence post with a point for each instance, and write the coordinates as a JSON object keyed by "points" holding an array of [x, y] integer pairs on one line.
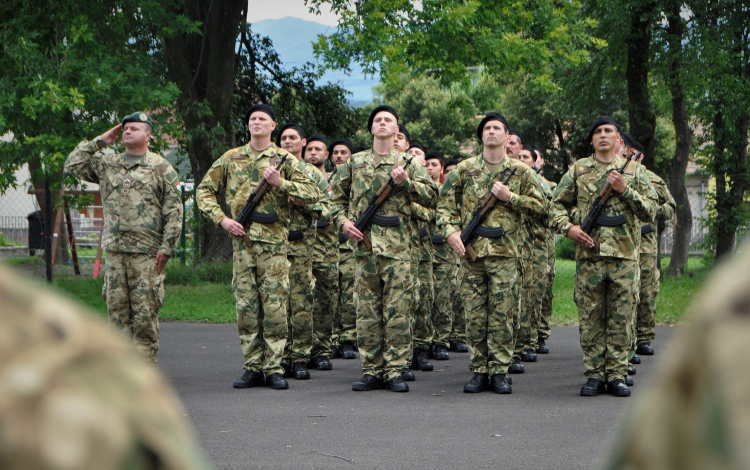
{"points": [[197, 227], [48, 229], [182, 232]]}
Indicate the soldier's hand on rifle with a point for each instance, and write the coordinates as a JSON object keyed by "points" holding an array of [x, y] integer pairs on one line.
{"points": [[501, 191], [617, 181], [579, 236], [232, 226], [272, 176], [454, 240], [161, 261], [399, 175], [112, 135], [351, 231], [296, 202]]}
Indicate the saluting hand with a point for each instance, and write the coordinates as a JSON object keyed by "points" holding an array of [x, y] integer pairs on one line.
{"points": [[617, 181], [579, 236], [272, 176], [501, 191], [454, 240], [399, 175], [112, 135]]}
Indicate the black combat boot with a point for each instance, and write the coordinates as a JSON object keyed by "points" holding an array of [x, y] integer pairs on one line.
{"points": [[516, 367], [500, 385], [593, 388], [529, 356], [335, 351], [300, 371], [440, 353], [347, 351], [420, 361], [249, 379], [459, 346], [542, 347], [644, 349], [478, 383], [636, 359], [323, 363], [408, 376], [631, 370], [277, 382], [397, 384], [618, 388], [366, 383], [629, 381]]}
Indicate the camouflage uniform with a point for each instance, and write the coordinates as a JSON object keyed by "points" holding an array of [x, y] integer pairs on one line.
{"points": [[544, 330], [488, 285], [73, 396], [448, 318], [383, 274], [696, 413], [422, 327], [346, 325], [142, 215], [260, 282], [665, 206], [606, 284], [302, 234], [326, 273]]}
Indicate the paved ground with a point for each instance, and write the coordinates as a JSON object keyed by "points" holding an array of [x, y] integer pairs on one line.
{"points": [[321, 423]]}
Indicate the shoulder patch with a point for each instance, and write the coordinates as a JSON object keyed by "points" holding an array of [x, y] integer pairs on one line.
{"points": [[583, 172], [473, 173], [359, 165]]}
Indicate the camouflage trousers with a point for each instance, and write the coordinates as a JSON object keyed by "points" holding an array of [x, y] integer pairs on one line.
{"points": [[300, 311], [383, 320], [446, 304], [522, 324], [536, 278], [423, 330], [490, 297], [606, 293], [646, 316], [261, 289], [544, 330], [134, 292], [345, 325], [324, 309]]}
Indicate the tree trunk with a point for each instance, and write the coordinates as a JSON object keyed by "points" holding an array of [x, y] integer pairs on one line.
{"points": [[724, 203], [642, 118], [683, 135], [203, 67]]}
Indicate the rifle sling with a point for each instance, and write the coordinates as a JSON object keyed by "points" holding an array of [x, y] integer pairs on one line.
{"points": [[613, 221]]}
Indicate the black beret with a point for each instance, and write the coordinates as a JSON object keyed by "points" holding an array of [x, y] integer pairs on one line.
{"points": [[382, 107], [138, 116], [537, 149], [530, 149], [638, 146], [491, 116], [317, 137], [259, 107], [336, 142], [402, 129], [290, 125], [415, 145], [628, 139], [434, 155], [600, 121], [515, 132], [358, 149]]}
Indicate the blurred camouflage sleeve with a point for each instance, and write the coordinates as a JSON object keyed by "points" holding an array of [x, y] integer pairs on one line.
{"points": [[529, 200], [340, 204], [421, 188], [448, 212], [296, 183], [85, 161], [422, 213], [171, 212], [213, 183], [564, 203], [640, 197], [667, 205], [319, 210]]}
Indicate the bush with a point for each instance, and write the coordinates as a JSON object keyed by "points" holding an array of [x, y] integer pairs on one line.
{"points": [[205, 272], [565, 248]]}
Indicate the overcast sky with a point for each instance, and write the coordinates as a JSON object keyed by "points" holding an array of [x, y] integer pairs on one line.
{"points": [[275, 9]]}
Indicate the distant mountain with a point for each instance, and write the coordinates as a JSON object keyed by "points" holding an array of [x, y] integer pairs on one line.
{"points": [[292, 38]]}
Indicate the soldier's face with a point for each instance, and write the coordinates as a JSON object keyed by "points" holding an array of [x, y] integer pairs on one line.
{"points": [[400, 142], [449, 168], [434, 168], [135, 133], [525, 156], [514, 146], [341, 154], [292, 142], [605, 138], [316, 153], [384, 125], [260, 125], [416, 152], [494, 134]]}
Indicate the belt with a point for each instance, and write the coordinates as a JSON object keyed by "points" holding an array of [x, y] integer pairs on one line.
{"points": [[386, 220], [486, 232], [264, 218], [295, 235], [646, 229], [422, 232], [322, 224], [614, 221], [342, 237], [438, 240]]}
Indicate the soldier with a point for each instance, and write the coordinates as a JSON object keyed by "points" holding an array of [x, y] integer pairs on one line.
{"points": [[488, 285], [544, 330], [606, 278], [261, 271], [142, 224], [345, 326], [450, 165], [696, 412], [383, 272], [76, 397], [416, 150], [302, 230], [515, 143], [325, 266]]}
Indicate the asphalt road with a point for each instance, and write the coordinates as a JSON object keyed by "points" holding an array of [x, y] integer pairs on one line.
{"points": [[321, 423]]}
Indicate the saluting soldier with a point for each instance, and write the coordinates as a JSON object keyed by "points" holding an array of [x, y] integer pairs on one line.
{"points": [[260, 272], [142, 224], [607, 278], [384, 275], [488, 284]]}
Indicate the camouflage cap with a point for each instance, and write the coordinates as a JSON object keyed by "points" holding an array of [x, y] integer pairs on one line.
{"points": [[138, 116]]}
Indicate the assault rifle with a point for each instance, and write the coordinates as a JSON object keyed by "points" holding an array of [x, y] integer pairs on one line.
{"points": [[489, 203], [245, 217], [363, 222], [333, 173], [590, 222]]}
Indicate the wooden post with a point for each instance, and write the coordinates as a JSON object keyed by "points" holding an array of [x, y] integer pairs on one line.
{"points": [[72, 238]]}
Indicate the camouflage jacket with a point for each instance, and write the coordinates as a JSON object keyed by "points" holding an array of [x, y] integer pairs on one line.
{"points": [[327, 235], [466, 187], [359, 179], [538, 225], [665, 207], [238, 172], [142, 208], [304, 219], [575, 195], [423, 227]]}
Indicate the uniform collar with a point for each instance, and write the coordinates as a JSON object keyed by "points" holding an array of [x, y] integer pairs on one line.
{"points": [[268, 152]]}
